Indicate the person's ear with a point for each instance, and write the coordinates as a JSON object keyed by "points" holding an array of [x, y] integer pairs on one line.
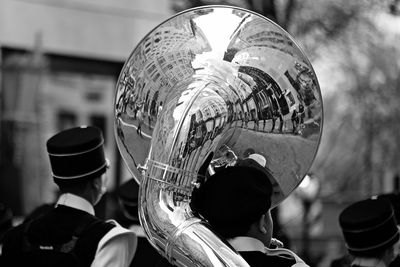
{"points": [[261, 224], [393, 253], [389, 254], [96, 184]]}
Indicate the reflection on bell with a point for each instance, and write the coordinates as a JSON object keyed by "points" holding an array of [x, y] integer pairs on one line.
{"points": [[222, 86], [210, 87]]}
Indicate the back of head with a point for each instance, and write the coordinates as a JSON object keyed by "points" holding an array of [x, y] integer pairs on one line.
{"points": [[233, 198], [369, 227], [128, 199], [77, 155]]}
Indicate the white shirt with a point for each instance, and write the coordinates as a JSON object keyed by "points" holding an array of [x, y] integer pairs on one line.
{"points": [[117, 247], [368, 262], [245, 243]]}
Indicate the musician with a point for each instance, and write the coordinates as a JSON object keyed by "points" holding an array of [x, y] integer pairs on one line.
{"points": [[70, 234], [370, 232], [145, 255], [394, 199], [236, 201]]}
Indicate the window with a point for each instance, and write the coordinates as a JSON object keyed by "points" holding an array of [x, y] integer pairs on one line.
{"points": [[291, 99], [94, 96], [66, 119], [150, 68]]}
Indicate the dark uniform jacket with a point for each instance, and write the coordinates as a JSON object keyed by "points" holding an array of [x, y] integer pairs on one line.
{"points": [[62, 237]]}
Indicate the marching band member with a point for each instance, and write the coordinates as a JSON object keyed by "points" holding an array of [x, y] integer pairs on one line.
{"points": [[370, 231], [70, 234], [236, 201]]}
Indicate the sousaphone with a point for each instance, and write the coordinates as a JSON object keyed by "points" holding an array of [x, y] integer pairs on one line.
{"points": [[203, 90]]}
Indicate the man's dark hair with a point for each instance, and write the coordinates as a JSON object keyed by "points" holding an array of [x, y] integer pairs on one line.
{"points": [[74, 186]]}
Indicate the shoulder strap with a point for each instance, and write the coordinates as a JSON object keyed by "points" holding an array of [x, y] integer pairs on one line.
{"points": [[26, 245], [82, 227]]}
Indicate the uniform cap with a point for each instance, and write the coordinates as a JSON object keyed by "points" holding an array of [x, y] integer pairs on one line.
{"points": [[237, 195], [258, 162], [127, 194], [128, 191], [369, 227], [77, 153]]}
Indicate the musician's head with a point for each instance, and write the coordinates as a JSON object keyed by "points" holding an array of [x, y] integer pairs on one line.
{"points": [[370, 229], [78, 162], [236, 201]]}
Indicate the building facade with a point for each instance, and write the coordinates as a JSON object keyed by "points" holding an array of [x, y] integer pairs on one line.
{"points": [[60, 61]]}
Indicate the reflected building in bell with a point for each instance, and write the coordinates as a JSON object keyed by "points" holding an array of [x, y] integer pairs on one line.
{"points": [[278, 87], [168, 52]]}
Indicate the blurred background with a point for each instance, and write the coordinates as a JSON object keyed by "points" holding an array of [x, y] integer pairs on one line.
{"points": [[60, 60]]}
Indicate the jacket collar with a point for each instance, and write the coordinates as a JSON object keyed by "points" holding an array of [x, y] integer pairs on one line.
{"points": [[245, 243], [76, 202]]}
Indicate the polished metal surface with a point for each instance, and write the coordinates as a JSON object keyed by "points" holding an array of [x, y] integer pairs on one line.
{"points": [[213, 83]]}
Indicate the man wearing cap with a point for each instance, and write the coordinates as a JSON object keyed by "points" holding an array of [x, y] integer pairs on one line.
{"points": [[394, 199], [236, 202], [70, 234], [146, 254], [370, 231]]}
